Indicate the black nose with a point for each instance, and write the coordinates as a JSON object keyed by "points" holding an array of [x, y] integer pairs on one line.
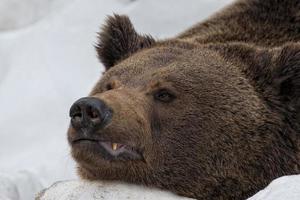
{"points": [[89, 113]]}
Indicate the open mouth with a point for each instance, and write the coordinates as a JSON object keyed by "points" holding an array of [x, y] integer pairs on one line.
{"points": [[110, 150]]}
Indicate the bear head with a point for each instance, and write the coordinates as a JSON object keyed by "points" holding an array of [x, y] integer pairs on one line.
{"points": [[208, 121]]}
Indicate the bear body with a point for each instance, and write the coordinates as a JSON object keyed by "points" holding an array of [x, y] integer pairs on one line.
{"points": [[210, 114]]}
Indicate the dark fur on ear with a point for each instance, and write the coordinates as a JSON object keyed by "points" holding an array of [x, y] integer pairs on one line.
{"points": [[273, 72], [286, 78], [255, 62], [118, 40]]}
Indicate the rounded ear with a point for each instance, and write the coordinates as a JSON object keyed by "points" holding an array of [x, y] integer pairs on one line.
{"points": [[273, 72], [254, 62], [118, 40], [286, 73]]}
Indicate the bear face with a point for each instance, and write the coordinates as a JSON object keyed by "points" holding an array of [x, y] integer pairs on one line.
{"points": [[209, 121]]}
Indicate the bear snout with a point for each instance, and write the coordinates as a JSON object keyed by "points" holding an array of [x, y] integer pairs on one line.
{"points": [[89, 113]]}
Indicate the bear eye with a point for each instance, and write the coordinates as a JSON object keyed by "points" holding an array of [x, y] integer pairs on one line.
{"points": [[109, 86], [164, 96]]}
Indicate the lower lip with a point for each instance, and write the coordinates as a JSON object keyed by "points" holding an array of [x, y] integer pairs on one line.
{"points": [[107, 147], [104, 145], [85, 142], [103, 149]]}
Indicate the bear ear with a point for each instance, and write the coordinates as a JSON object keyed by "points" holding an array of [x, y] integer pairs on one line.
{"points": [[275, 73], [286, 74], [118, 40]]}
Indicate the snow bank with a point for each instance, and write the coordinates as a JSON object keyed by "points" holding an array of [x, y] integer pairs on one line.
{"points": [[284, 188], [19, 186], [16, 14], [81, 190]]}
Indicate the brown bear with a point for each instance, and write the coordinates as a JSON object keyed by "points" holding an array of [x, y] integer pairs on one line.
{"points": [[210, 114]]}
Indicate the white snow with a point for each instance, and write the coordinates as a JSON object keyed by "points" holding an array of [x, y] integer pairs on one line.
{"points": [[284, 188], [17, 14], [81, 190], [47, 61]]}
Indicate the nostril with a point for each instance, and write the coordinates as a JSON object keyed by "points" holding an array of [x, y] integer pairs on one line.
{"points": [[75, 111], [93, 114], [76, 115]]}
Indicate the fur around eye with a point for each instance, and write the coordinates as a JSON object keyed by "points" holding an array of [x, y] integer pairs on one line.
{"points": [[109, 86], [164, 96]]}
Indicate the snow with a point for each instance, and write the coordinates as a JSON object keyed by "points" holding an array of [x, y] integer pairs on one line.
{"points": [[284, 188], [81, 190], [47, 61], [19, 186], [280, 189], [28, 12]]}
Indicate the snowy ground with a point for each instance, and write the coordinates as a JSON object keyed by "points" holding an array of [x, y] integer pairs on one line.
{"points": [[284, 188], [82, 190], [47, 61]]}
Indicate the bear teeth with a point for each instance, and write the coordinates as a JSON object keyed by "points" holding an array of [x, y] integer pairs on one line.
{"points": [[114, 146]]}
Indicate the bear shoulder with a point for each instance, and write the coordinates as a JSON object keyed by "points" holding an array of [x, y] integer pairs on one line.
{"points": [[260, 22]]}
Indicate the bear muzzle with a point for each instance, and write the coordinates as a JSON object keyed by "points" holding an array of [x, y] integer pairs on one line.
{"points": [[89, 116]]}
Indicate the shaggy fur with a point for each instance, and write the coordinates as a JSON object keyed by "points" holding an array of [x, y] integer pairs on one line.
{"points": [[230, 122]]}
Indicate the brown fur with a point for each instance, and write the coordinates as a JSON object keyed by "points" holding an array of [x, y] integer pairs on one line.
{"points": [[233, 125]]}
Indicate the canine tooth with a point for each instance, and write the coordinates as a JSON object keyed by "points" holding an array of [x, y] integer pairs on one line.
{"points": [[114, 146]]}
